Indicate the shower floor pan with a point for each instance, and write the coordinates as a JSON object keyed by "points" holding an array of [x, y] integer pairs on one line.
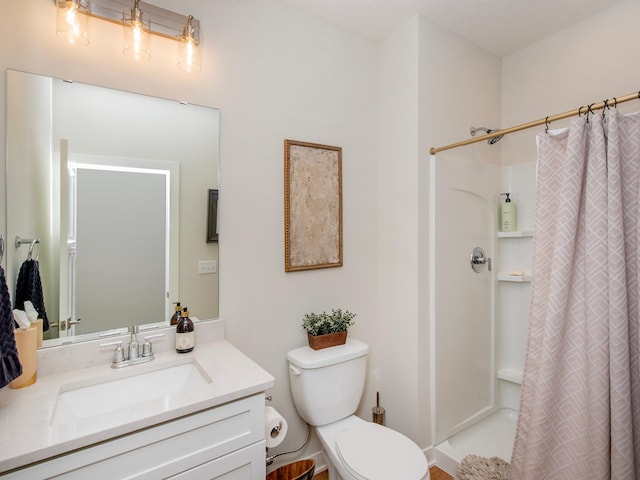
{"points": [[493, 436]]}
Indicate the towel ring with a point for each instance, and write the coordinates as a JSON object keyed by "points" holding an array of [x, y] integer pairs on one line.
{"points": [[32, 243]]}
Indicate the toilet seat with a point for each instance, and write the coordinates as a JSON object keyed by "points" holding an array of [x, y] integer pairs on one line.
{"points": [[372, 452]]}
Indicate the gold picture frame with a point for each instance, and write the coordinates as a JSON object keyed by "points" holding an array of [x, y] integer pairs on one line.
{"points": [[312, 206]]}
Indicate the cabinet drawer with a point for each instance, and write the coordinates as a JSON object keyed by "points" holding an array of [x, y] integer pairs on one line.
{"points": [[245, 464], [161, 451]]}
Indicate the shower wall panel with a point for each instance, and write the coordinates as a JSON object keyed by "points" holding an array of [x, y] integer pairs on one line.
{"points": [[464, 202]]}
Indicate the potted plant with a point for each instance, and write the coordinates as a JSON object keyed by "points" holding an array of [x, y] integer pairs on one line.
{"points": [[327, 329]]}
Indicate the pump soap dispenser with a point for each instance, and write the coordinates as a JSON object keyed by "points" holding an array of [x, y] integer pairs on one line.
{"points": [[185, 336], [508, 215], [175, 318]]}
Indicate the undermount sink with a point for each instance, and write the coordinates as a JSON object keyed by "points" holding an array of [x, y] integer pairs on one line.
{"points": [[151, 390]]}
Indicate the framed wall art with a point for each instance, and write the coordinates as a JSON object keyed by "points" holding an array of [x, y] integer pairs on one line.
{"points": [[312, 206]]}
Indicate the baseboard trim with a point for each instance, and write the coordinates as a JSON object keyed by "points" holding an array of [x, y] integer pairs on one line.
{"points": [[321, 463]]}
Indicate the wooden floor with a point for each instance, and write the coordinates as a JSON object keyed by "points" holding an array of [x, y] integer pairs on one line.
{"points": [[436, 474]]}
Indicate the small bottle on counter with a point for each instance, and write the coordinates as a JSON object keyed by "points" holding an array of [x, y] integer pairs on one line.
{"points": [[176, 315], [185, 336]]}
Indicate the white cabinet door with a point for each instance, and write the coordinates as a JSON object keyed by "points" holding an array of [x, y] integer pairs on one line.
{"points": [[245, 464]]}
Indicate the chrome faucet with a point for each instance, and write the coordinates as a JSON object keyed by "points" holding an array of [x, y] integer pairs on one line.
{"points": [[134, 345], [134, 353]]}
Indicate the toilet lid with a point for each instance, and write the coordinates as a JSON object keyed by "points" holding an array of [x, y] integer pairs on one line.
{"points": [[373, 452]]}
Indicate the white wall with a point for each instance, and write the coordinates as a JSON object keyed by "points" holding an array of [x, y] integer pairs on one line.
{"points": [[289, 76], [580, 65], [275, 73], [396, 376]]}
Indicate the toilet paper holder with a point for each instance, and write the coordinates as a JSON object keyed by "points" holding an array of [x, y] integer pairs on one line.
{"points": [[275, 431]]}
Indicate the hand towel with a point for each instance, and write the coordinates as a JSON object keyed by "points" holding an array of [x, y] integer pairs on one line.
{"points": [[10, 367], [29, 287]]}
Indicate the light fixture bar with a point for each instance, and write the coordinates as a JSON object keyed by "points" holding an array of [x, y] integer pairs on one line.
{"points": [[164, 23]]}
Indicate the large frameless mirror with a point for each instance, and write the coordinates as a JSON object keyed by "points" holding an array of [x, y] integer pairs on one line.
{"points": [[115, 188]]}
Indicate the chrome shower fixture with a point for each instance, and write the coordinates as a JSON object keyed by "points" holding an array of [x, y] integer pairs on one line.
{"points": [[492, 140]]}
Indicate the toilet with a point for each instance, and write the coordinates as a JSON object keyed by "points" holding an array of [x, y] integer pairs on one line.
{"points": [[326, 386]]}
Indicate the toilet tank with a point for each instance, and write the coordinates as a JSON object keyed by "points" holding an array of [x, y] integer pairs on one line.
{"points": [[327, 384]]}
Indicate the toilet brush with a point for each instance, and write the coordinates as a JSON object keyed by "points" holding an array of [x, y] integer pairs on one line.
{"points": [[378, 411]]}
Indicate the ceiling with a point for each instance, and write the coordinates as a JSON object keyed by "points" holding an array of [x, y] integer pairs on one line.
{"points": [[499, 26]]}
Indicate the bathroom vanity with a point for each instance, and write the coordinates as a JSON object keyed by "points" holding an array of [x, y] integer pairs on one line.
{"points": [[193, 416]]}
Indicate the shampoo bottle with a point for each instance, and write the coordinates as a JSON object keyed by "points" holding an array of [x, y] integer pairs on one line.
{"points": [[176, 315], [185, 336], [507, 215]]}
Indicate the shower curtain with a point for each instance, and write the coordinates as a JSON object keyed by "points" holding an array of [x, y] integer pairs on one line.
{"points": [[580, 403]]}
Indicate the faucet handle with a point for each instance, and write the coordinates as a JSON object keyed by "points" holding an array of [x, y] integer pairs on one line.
{"points": [[147, 348], [118, 354]]}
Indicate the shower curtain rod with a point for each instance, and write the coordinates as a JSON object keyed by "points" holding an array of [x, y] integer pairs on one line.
{"points": [[543, 121]]}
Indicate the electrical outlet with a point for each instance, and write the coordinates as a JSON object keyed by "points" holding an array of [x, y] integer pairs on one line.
{"points": [[207, 266]]}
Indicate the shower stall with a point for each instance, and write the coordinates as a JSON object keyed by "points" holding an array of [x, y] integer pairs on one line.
{"points": [[478, 312]]}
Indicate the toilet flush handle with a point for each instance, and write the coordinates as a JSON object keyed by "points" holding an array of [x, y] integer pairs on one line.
{"points": [[294, 370]]}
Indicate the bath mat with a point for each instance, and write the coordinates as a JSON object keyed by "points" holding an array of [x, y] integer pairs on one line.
{"points": [[474, 467]]}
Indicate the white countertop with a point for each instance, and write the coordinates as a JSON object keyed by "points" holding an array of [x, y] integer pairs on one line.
{"points": [[28, 434]]}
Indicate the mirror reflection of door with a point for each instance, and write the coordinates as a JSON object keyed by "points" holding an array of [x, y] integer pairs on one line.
{"points": [[118, 244]]}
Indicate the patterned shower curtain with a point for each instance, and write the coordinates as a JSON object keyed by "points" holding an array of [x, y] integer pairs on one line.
{"points": [[580, 404]]}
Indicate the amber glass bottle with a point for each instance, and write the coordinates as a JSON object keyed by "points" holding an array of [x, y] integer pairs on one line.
{"points": [[185, 336]]}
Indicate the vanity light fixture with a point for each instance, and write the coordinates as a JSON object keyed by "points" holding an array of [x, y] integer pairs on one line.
{"points": [[139, 20], [137, 36], [71, 21], [188, 51]]}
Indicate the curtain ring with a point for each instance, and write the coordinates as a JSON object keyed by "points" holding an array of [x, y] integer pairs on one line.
{"points": [[615, 102], [580, 111], [589, 111], [546, 124]]}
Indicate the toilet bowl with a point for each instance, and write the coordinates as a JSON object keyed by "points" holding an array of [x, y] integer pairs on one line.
{"points": [[326, 386], [361, 450]]}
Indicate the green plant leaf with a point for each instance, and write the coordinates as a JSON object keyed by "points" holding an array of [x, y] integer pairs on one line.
{"points": [[324, 323]]}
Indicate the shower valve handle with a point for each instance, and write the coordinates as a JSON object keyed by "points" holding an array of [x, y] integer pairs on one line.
{"points": [[479, 260]]}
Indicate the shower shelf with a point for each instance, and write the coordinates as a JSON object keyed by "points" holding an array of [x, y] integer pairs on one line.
{"points": [[510, 375], [503, 277], [518, 234]]}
